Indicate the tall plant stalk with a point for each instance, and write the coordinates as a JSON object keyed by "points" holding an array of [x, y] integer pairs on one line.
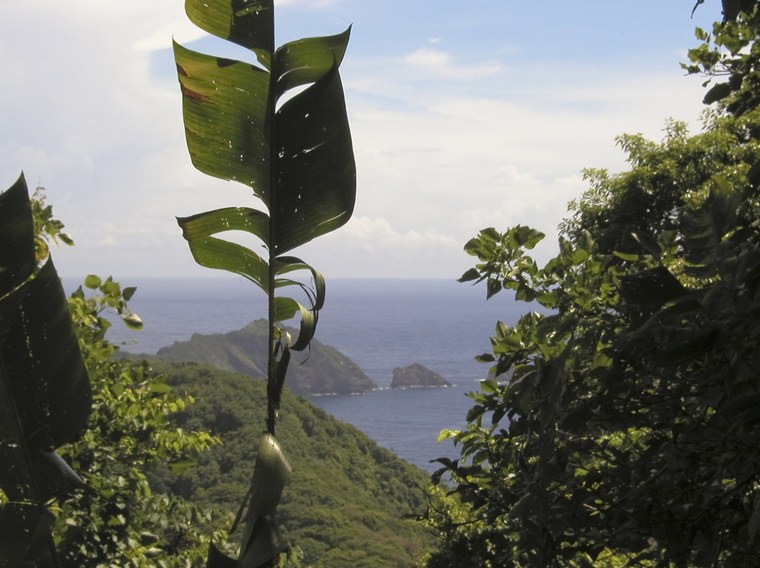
{"points": [[297, 158]]}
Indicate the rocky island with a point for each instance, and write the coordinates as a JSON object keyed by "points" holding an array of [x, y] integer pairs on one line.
{"points": [[323, 370], [417, 376]]}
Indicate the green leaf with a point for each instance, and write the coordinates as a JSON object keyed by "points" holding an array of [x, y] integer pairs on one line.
{"points": [[626, 256], [212, 252], [225, 113], [307, 60], [92, 282], [316, 172], [227, 219], [128, 292], [181, 466], [249, 23], [470, 275], [526, 236], [489, 386], [718, 92]]}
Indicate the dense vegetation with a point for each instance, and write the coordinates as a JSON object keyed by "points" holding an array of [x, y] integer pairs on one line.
{"points": [[622, 428], [349, 502], [328, 371], [168, 449], [110, 516]]}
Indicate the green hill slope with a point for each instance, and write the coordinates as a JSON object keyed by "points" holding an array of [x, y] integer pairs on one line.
{"points": [[350, 503], [325, 371]]}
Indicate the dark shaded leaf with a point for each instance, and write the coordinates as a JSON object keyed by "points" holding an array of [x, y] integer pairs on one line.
{"points": [[717, 92], [316, 172], [470, 275], [651, 287], [24, 531], [16, 235], [43, 362]]}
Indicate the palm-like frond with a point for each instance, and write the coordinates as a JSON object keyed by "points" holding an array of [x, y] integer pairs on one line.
{"points": [[45, 396], [296, 156]]}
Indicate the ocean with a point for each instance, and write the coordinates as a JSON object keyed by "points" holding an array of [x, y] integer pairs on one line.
{"points": [[380, 324]]}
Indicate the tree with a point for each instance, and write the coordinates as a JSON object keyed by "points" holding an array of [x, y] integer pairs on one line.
{"points": [[620, 424], [730, 50], [118, 518], [297, 158]]}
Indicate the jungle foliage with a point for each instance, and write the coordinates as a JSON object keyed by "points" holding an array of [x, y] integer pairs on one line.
{"points": [[348, 503], [296, 156], [107, 425], [621, 428], [45, 394]]}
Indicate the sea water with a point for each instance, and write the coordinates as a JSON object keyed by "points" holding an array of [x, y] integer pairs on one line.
{"points": [[380, 324]]}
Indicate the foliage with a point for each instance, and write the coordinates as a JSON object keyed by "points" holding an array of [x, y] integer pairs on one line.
{"points": [[118, 519], [46, 227], [731, 50], [114, 517], [45, 395], [349, 503], [620, 426], [296, 156]]}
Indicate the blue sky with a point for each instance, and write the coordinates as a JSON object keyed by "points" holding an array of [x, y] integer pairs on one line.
{"points": [[464, 115]]}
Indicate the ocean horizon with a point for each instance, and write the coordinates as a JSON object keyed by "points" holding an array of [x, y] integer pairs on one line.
{"points": [[380, 324]]}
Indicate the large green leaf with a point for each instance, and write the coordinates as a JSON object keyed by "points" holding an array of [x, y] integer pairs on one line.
{"points": [[45, 395], [212, 252], [41, 355], [249, 23], [225, 113], [316, 173], [307, 60]]}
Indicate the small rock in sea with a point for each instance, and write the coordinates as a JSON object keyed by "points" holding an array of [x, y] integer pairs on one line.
{"points": [[417, 376]]}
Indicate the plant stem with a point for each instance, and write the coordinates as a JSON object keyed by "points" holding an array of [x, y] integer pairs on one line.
{"points": [[270, 134]]}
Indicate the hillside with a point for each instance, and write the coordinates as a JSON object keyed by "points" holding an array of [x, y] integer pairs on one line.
{"points": [[322, 370], [350, 503]]}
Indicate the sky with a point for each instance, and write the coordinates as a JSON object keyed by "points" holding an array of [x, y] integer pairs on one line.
{"points": [[464, 115]]}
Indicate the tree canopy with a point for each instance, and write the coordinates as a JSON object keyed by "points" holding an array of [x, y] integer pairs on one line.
{"points": [[621, 424]]}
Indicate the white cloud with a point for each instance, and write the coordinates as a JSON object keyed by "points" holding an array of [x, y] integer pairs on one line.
{"points": [[377, 233], [439, 63], [445, 144]]}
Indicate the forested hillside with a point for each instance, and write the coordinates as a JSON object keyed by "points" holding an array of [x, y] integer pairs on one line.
{"points": [[349, 502]]}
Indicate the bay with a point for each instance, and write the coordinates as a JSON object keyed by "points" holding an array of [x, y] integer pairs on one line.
{"points": [[380, 324]]}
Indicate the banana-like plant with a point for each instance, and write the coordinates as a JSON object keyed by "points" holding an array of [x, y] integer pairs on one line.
{"points": [[297, 158], [45, 395]]}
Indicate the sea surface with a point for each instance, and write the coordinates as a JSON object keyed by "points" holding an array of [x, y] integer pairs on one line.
{"points": [[380, 324]]}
